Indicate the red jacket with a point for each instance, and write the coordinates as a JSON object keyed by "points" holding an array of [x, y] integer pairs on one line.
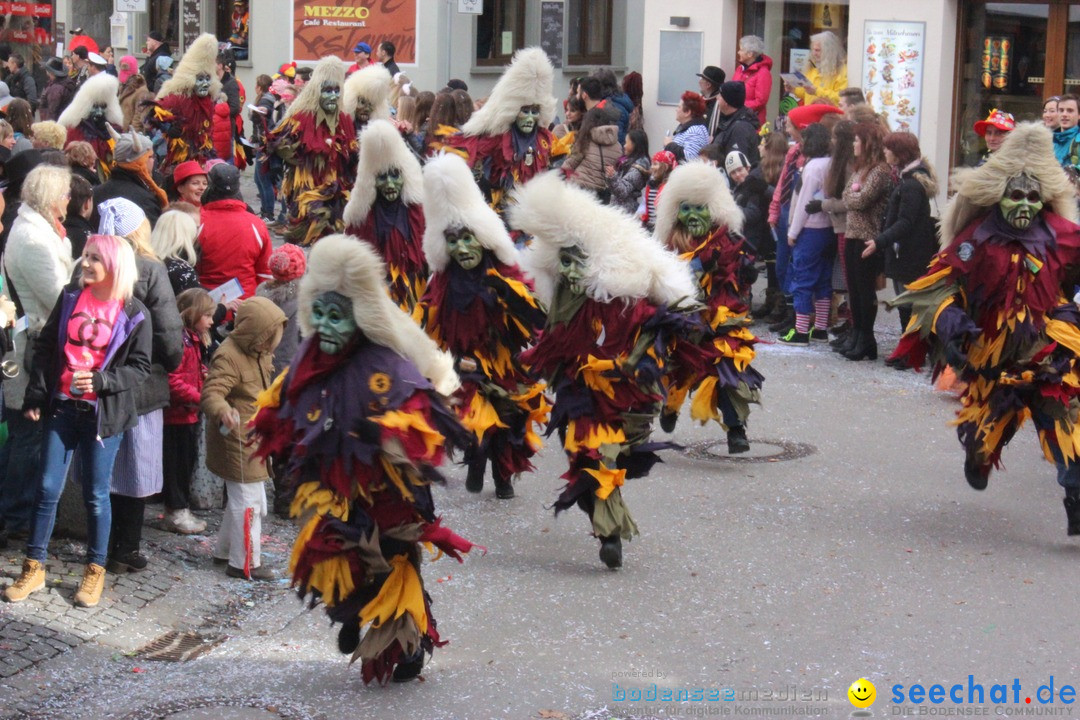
{"points": [[223, 131], [233, 243], [185, 384], [757, 77]]}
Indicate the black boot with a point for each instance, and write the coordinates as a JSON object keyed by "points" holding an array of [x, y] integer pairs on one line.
{"points": [[668, 420], [865, 347], [736, 440], [474, 481], [765, 308], [348, 636], [978, 476], [788, 321], [611, 551], [504, 487], [1072, 510], [847, 344], [409, 668]]}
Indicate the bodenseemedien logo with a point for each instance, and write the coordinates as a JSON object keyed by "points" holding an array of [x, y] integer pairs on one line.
{"points": [[862, 694]]}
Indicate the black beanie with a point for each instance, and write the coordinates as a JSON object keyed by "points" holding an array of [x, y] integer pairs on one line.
{"points": [[734, 93]]}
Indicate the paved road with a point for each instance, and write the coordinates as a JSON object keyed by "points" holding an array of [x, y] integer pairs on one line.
{"points": [[869, 557]]}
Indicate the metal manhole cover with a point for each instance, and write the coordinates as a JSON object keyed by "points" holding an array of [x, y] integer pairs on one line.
{"points": [[177, 646], [761, 450], [221, 708]]}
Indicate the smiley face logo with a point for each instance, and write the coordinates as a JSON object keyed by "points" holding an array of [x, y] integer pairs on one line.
{"points": [[862, 693]]}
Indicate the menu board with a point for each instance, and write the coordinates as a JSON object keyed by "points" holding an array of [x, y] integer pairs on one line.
{"points": [[893, 58]]}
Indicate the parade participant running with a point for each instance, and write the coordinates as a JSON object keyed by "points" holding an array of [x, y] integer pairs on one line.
{"points": [[608, 287], [697, 217], [359, 425], [317, 143], [996, 305], [480, 307]]}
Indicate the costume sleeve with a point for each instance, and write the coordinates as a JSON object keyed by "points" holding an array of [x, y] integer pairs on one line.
{"points": [[222, 378]]}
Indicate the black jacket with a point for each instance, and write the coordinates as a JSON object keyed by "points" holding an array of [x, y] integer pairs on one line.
{"points": [[154, 290], [126, 184], [78, 230], [738, 131], [149, 68], [114, 384], [231, 88], [22, 85], [753, 197], [909, 234]]}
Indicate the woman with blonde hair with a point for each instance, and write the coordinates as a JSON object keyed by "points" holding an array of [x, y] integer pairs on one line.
{"points": [[84, 392], [826, 72], [48, 134], [138, 473], [173, 240]]}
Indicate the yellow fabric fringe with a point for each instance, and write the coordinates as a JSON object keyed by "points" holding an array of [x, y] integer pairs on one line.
{"points": [[401, 593], [598, 435], [609, 479], [410, 422]]}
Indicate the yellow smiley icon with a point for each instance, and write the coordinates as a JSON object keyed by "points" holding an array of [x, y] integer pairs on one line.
{"points": [[862, 693]]}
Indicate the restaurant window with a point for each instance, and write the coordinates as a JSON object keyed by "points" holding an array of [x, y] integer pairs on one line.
{"points": [[500, 31], [588, 39], [786, 28]]}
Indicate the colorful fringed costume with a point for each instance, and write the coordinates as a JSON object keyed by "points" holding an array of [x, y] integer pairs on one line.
{"points": [[480, 308], [319, 150], [996, 304], [361, 431], [100, 139], [94, 116], [505, 160], [713, 364], [606, 343], [386, 210]]}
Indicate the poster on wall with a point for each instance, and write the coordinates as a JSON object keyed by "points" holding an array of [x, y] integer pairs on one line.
{"points": [[333, 27], [996, 59], [893, 70]]}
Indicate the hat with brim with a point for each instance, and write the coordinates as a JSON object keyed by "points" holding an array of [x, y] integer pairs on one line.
{"points": [[806, 115], [1003, 121], [96, 59], [55, 67], [714, 75], [185, 170]]}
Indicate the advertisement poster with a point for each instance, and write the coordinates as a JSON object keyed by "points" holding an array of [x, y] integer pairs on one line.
{"points": [[893, 70], [333, 27]]}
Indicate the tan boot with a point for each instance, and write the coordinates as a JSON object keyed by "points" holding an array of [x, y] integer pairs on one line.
{"points": [[93, 582], [31, 580]]}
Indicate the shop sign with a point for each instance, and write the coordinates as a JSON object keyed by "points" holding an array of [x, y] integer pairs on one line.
{"points": [[333, 27], [22, 9], [893, 58]]}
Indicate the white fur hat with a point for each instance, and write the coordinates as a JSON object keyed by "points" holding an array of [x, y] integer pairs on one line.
{"points": [[330, 70], [348, 265], [373, 84], [201, 57], [527, 81], [1029, 149], [382, 148], [698, 183], [622, 260], [453, 200], [99, 89]]}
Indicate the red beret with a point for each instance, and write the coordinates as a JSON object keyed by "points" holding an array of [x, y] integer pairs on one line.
{"points": [[185, 170], [806, 115]]}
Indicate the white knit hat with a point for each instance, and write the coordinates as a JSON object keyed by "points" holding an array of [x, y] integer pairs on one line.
{"points": [[119, 216]]}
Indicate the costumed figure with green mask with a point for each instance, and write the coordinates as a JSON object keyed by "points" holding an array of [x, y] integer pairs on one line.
{"points": [[94, 116], [316, 141], [360, 424], [610, 290], [479, 306], [387, 209], [997, 305], [697, 217], [367, 95], [507, 141], [184, 109]]}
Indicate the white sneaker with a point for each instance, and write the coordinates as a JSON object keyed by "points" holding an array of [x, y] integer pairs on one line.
{"points": [[184, 523]]}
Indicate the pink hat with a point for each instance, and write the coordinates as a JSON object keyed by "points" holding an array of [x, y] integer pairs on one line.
{"points": [[287, 263]]}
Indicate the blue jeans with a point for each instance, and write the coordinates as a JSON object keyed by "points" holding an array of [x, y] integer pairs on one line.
{"points": [[265, 184], [70, 429], [811, 268]]}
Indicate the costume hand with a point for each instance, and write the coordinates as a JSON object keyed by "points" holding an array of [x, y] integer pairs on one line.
{"points": [[870, 249], [814, 206]]}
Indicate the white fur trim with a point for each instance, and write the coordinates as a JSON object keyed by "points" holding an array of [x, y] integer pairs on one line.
{"points": [[453, 200], [348, 265], [622, 260], [527, 81], [201, 57], [1027, 149], [699, 183], [328, 69], [382, 148], [101, 88], [373, 83]]}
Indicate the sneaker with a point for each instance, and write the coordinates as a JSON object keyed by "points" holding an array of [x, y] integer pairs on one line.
{"points": [[93, 582], [183, 522], [794, 337], [257, 573], [128, 562], [818, 335], [30, 581]]}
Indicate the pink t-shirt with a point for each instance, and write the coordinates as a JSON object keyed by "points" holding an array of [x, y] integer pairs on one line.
{"points": [[89, 331]]}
